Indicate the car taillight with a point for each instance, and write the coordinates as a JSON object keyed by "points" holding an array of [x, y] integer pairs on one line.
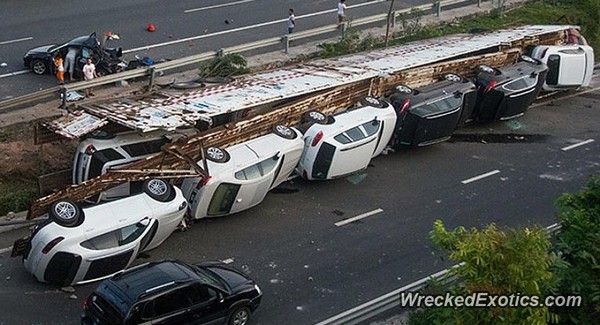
{"points": [[90, 149], [203, 182], [404, 107], [489, 86], [317, 138], [86, 303], [51, 244]]}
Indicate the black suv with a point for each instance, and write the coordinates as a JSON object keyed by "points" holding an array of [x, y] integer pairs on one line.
{"points": [[173, 292], [430, 114], [505, 93]]}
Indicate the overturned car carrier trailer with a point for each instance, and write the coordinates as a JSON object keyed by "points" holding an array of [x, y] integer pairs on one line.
{"points": [[250, 105]]}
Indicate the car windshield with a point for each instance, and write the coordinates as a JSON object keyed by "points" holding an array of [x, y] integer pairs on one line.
{"points": [[210, 278]]}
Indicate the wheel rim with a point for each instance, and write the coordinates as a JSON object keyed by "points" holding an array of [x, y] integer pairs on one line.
{"points": [[486, 69], [241, 317], [372, 101], [283, 130], [527, 59], [215, 153], [39, 67], [316, 116], [403, 89], [157, 187], [65, 210], [452, 77]]}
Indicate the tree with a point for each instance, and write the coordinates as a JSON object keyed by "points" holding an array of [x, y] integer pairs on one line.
{"points": [[579, 246], [509, 262]]}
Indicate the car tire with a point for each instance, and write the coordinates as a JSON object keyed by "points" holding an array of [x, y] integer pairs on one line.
{"points": [[404, 89], [66, 213], [315, 117], [39, 67], [239, 316], [453, 77], [284, 132], [216, 154], [159, 190], [486, 69], [373, 102]]}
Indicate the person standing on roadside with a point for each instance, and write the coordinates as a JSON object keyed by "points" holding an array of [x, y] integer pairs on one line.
{"points": [[70, 61], [89, 73], [60, 70], [341, 11], [291, 21]]}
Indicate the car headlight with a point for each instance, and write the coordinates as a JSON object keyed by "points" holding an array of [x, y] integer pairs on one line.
{"points": [[183, 205], [257, 289]]}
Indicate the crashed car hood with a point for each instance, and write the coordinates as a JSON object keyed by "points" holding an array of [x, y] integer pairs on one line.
{"points": [[41, 49]]}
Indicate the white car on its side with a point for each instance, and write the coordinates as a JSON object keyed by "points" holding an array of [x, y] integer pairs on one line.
{"points": [[345, 143], [80, 245], [241, 175], [570, 66]]}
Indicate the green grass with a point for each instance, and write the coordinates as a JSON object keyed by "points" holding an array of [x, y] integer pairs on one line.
{"points": [[585, 13], [23, 191]]}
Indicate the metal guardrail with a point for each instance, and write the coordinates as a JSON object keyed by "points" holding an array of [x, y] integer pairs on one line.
{"points": [[378, 306], [179, 63]]}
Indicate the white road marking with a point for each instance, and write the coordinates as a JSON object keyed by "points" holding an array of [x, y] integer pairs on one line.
{"points": [[280, 21], [228, 261], [577, 144], [16, 73], [218, 6], [358, 217], [16, 40], [476, 178], [5, 250]]}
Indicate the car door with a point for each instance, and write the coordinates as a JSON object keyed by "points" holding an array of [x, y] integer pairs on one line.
{"points": [[354, 148], [255, 181], [114, 250]]}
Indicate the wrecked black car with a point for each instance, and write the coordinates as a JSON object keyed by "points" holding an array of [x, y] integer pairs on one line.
{"points": [[505, 93], [107, 60], [430, 114]]}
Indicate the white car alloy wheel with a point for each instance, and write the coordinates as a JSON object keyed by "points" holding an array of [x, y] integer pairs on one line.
{"points": [[317, 116], [372, 101], [528, 59], [404, 89], [487, 69], [284, 130], [453, 77], [157, 187], [215, 153], [65, 210]]}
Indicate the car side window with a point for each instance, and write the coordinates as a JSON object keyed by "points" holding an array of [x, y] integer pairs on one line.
{"points": [[200, 294], [355, 134], [255, 171], [371, 127], [167, 303], [521, 83], [115, 238]]}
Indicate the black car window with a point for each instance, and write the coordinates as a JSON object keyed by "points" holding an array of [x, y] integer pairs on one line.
{"points": [[257, 170], [521, 83], [355, 134], [145, 148], [342, 138], [438, 106], [168, 303], [223, 199], [371, 127], [200, 294], [100, 158]]}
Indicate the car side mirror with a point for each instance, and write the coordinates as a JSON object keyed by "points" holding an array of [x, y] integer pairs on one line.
{"points": [[144, 222]]}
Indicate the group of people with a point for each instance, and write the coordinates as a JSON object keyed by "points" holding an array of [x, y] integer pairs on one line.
{"points": [[68, 64], [341, 14]]}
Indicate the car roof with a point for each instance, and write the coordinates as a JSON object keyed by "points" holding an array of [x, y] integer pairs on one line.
{"points": [[147, 279]]}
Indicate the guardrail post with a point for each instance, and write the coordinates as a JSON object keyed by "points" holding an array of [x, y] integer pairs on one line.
{"points": [[438, 8], [478, 3], [344, 27], [220, 53], [286, 43], [63, 94], [152, 73], [393, 18]]}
